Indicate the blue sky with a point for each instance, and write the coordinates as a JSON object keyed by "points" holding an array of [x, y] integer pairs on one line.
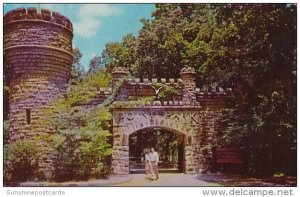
{"points": [[97, 24]]}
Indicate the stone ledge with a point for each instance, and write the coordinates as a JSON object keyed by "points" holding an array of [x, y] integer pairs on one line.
{"points": [[39, 46], [183, 107]]}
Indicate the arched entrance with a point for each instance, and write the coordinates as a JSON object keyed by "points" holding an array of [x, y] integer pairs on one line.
{"points": [[168, 143], [185, 121]]}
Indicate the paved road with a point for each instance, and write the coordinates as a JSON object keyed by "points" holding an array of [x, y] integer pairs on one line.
{"points": [[166, 179], [172, 179]]}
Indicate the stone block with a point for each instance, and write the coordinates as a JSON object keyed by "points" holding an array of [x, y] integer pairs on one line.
{"points": [[145, 80], [137, 80], [154, 80]]}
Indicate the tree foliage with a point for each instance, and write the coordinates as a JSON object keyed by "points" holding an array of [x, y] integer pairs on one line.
{"points": [[95, 64], [82, 149], [121, 54], [260, 56], [77, 72]]}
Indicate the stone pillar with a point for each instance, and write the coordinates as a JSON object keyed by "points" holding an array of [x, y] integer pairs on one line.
{"points": [[38, 51], [191, 152], [188, 77], [120, 157], [118, 73]]}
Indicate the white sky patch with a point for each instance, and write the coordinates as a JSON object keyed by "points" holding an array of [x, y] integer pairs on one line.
{"points": [[89, 18], [98, 10], [93, 55], [86, 27]]}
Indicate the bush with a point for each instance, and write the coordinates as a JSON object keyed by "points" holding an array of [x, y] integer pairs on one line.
{"points": [[65, 163], [93, 154], [21, 161], [84, 152], [94, 146], [81, 143], [79, 157]]}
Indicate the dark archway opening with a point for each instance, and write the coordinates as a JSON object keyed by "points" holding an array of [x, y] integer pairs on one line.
{"points": [[169, 145]]}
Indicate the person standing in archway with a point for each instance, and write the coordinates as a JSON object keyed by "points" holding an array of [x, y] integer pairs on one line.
{"points": [[147, 163], [154, 159]]}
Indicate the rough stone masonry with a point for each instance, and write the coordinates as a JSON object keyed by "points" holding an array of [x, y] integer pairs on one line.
{"points": [[38, 49]]}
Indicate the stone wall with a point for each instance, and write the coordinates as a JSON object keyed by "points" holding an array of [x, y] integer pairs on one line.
{"points": [[38, 52]]}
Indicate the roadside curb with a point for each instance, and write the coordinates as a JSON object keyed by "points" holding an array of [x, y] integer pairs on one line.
{"points": [[95, 183]]}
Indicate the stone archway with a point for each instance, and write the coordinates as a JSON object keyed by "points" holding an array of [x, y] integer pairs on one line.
{"points": [[171, 152], [179, 119]]}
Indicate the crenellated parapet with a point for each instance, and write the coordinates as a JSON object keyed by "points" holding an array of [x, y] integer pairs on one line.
{"points": [[34, 15], [189, 95], [153, 81]]}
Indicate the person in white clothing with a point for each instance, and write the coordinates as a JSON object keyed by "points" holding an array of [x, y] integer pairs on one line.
{"points": [[154, 159], [147, 163]]}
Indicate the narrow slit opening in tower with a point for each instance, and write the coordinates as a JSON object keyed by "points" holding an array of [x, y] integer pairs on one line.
{"points": [[28, 118]]}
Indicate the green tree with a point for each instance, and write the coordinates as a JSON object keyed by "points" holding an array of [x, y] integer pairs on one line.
{"points": [[254, 48], [100, 78], [121, 54], [77, 71], [95, 64]]}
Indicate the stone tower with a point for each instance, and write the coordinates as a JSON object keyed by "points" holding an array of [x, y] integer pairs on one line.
{"points": [[38, 50], [188, 77], [118, 73]]}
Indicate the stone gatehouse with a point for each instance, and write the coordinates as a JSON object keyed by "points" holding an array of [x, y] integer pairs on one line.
{"points": [[38, 48], [194, 117]]}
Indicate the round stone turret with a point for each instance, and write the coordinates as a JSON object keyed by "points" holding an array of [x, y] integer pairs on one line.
{"points": [[38, 52], [118, 73], [188, 77]]}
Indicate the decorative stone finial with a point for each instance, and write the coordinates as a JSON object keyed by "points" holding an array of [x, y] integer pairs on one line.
{"points": [[187, 70], [118, 73], [119, 70], [188, 77]]}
